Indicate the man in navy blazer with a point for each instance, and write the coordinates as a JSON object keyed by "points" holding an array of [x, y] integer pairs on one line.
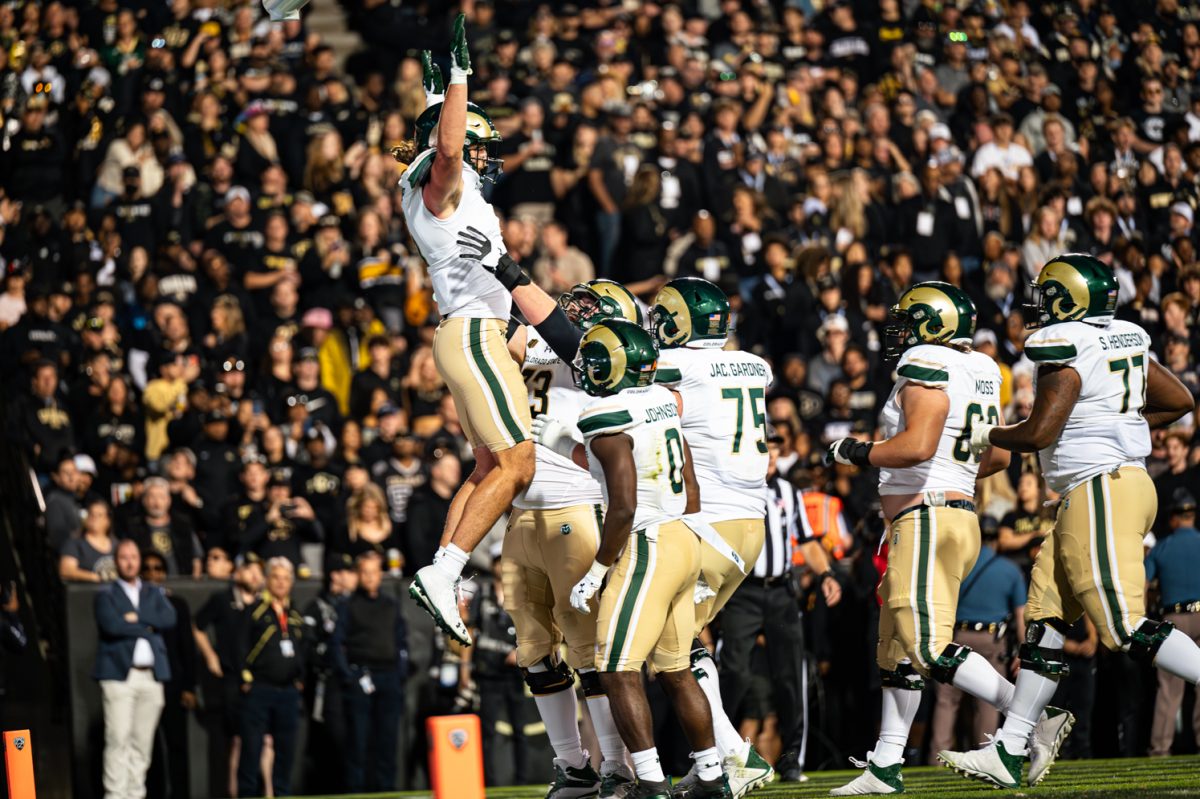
{"points": [[131, 666]]}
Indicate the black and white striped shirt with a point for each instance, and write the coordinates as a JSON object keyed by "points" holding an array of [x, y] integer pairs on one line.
{"points": [[787, 527]]}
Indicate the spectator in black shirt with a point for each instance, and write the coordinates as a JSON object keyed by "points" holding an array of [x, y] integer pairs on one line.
{"points": [[370, 652], [237, 236], [428, 507], [528, 159], [288, 523], [379, 375], [157, 529], [39, 423], [320, 480], [272, 671], [35, 158], [134, 213]]}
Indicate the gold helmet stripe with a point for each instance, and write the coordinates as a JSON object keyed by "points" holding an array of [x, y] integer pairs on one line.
{"points": [[619, 294], [677, 309]]}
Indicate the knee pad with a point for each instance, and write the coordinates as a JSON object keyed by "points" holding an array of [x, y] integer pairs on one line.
{"points": [[904, 677], [1042, 659], [1147, 637], [557, 677], [953, 656], [590, 680]]}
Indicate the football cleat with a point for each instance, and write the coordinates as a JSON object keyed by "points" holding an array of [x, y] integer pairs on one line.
{"points": [[874, 781], [747, 774], [1047, 739], [573, 783], [788, 767], [703, 789], [437, 596], [991, 764], [642, 789], [616, 780]]}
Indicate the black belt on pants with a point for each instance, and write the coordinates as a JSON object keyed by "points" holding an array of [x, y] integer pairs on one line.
{"points": [[766, 582], [957, 504], [1183, 607]]}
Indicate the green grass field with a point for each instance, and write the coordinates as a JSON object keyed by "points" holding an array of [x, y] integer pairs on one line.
{"points": [[1086, 779]]}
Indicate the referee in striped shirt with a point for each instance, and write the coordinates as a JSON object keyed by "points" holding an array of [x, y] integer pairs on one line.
{"points": [[766, 602]]}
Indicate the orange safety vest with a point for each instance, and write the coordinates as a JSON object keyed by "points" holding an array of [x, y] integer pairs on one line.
{"points": [[823, 511]]}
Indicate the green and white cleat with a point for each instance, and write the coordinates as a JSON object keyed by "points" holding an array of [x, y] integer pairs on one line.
{"points": [[439, 598], [1047, 740], [991, 764], [874, 781], [616, 780], [573, 783], [748, 774]]}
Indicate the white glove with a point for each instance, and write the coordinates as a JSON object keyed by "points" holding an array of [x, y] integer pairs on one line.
{"points": [[587, 587], [702, 591], [283, 10], [555, 436], [980, 434]]}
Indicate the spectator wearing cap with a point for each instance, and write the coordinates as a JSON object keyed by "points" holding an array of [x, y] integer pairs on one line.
{"points": [[85, 468], [1001, 152], [89, 557], [256, 147], [610, 173], [327, 735], [236, 236], [326, 265], [39, 423], [307, 391], [132, 150], [63, 511], [170, 764], [370, 650], [131, 667], [1172, 563], [1178, 474], [826, 366], [216, 458], [272, 674], [155, 528], [134, 212], [37, 174], [318, 478], [379, 383], [400, 474], [428, 507], [274, 263], [286, 525]]}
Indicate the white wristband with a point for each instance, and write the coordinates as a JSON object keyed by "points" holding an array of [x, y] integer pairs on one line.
{"points": [[458, 75], [598, 570]]}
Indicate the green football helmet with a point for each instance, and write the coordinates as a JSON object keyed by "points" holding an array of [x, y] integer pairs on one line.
{"points": [[596, 300], [932, 312], [479, 149], [1071, 288], [615, 354], [690, 309]]}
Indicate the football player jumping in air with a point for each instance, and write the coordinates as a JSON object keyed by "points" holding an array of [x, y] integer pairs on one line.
{"points": [[1099, 393]]}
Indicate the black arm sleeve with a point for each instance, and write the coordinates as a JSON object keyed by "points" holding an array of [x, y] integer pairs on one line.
{"points": [[562, 336]]}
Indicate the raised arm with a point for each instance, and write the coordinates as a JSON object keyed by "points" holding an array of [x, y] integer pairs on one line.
{"points": [[444, 189]]}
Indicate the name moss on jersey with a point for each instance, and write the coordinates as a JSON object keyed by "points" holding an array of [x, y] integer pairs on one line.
{"points": [[460, 287], [1105, 429], [725, 422], [972, 382], [650, 417], [557, 481]]}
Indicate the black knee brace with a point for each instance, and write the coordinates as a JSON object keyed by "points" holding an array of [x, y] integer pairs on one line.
{"points": [[1041, 659], [590, 680], [1147, 638], [904, 677], [557, 677], [953, 656]]}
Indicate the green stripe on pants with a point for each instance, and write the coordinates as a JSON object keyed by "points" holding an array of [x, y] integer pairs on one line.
{"points": [[924, 617], [497, 389], [642, 558], [1102, 558]]}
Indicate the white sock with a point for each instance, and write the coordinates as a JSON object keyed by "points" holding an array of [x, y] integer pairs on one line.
{"points": [[1030, 696], [451, 562], [1180, 656], [562, 726], [899, 709], [728, 741], [708, 764], [647, 766], [977, 677], [611, 746]]}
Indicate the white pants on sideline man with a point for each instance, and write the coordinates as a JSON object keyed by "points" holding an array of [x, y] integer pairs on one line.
{"points": [[131, 710]]}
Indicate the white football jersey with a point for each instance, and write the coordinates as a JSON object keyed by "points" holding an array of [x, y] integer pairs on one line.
{"points": [[650, 417], [557, 482], [1105, 430], [460, 286], [725, 422], [972, 381]]}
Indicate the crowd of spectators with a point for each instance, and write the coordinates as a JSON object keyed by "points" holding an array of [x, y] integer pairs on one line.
{"points": [[216, 330]]}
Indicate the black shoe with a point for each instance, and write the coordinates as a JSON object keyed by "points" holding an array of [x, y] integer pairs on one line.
{"points": [[643, 789], [705, 789], [788, 767]]}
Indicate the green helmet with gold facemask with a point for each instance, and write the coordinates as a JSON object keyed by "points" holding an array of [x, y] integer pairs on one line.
{"points": [[932, 312], [596, 300], [1071, 288], [690, 310], [481, 134], [614, 355]]}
